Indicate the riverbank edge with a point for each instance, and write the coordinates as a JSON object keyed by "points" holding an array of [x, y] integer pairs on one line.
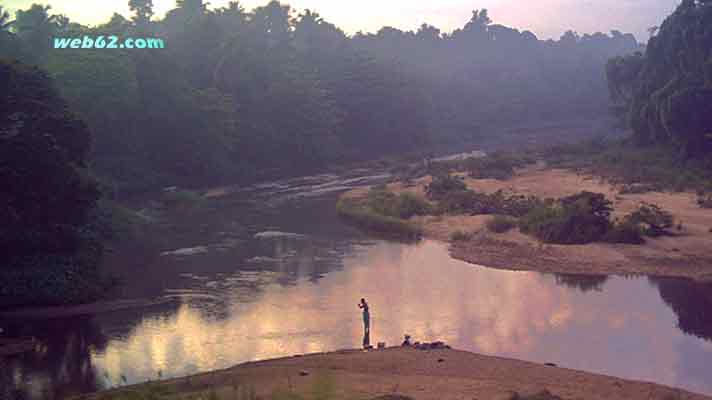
{"points": [[419, 374], [515, 251]]}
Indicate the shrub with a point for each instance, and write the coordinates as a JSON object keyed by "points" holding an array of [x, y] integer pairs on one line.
{"points": [[655, 220], [624, 232], [410, 204], [704, 200], [501, 224], [403, 206], [445, 184], [465, 202], [459, 236], [577, 219], [474, 203], [362, 216], [498, 165]]}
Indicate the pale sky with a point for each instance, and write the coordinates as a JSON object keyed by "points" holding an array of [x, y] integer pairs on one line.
{"points": [[546, 18]]}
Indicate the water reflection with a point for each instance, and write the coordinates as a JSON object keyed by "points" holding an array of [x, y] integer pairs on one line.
{"points": [[692, 302], [585, 283], [622, 327], [61, 365]]}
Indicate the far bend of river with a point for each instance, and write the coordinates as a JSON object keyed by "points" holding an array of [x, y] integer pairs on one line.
{"points": [[246, 296]]}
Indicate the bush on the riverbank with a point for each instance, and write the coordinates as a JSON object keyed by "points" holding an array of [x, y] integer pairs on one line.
{"points": [[475, 203], [653, 220], [639, 168], [53, 280], [578, 219], [364, 217], [501, 224], [624, 232], [498, 165], [445, 185], [460, 236], [404, 205]]}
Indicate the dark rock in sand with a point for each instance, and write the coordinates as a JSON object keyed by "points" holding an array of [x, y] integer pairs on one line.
{"points": [[303, 373]]}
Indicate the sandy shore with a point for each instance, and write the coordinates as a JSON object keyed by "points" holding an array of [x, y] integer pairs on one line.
{"points": [[420, 375], [687, 254]]}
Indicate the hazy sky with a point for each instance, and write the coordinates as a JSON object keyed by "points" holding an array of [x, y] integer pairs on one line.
{"points": [[546, 18]]}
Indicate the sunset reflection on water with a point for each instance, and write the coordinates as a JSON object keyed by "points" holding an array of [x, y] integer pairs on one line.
{"points": [[620, 327]]}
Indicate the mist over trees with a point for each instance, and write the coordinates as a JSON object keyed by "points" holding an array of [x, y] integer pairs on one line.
{"points": [[236, 93], [666, 92]]}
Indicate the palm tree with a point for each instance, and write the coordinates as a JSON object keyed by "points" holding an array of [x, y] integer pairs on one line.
{"points": [[35, 27], [5, 22]]}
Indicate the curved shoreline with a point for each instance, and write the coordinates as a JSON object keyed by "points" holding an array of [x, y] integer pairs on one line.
{"points": [[418, 374], [684, 255]]}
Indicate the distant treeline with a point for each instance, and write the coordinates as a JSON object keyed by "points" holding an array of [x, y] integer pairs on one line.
{"points": [[238, 92], [666, 92]]}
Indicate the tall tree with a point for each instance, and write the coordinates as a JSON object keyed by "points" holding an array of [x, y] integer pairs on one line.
{"points": [[35, 27], [143, 10]]}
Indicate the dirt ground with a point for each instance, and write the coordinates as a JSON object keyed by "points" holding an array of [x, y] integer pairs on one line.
{"points": [[687, 254], [421, 375]]}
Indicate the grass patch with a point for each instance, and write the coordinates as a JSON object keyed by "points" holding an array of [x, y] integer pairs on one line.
{"points": [[639, 168], [501, 224], [363, 216], [404, 205]]}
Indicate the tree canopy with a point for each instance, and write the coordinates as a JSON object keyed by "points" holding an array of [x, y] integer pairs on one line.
{"points": [[666, 92], [238, 93]]}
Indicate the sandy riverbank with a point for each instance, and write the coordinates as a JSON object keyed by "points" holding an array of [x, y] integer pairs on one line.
{"points": [[687, 254], [420, 375]]}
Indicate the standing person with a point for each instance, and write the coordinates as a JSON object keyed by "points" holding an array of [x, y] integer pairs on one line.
{"points": [[366, 323]]}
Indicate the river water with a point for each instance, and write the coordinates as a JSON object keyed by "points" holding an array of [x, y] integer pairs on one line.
{"points": [[270, 271]]}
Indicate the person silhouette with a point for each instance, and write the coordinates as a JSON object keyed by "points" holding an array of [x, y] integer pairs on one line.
{"points": [[366, 323]]}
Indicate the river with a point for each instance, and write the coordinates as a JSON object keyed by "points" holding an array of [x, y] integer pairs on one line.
{"points": [[271, 271]]}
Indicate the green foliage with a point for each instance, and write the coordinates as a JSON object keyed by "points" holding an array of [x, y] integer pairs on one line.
{"points": [[404, 205], [460, 236], [498, 165], [577, 219], [667, 91], [475, 203], [639, 169], [364, 217], [655, 221], [501, 224], [236, 92], [47, 192], [624, 232], [444, 185]]}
